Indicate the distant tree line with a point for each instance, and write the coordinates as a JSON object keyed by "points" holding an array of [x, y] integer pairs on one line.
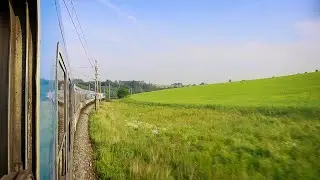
{"points": [[133, 86]]}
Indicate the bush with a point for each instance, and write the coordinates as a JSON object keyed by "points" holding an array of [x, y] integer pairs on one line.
{"points": [[317, 70], [122, 92]]}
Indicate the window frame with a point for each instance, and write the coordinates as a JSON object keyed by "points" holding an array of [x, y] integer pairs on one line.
{"points": [[63, 146]]}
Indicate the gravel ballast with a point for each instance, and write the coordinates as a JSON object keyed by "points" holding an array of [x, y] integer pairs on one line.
{"points": [[82, 150]]}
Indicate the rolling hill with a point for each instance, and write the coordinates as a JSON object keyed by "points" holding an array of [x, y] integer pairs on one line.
{"points": [[302, 90]]}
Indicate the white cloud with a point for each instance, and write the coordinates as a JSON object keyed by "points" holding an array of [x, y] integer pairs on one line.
{"points": [[118, 10], [132, 18]]}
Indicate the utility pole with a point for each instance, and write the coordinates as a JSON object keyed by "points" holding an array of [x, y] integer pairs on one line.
{"points": [[109, 90], [100, 89], [89, 85], [96, 84], [95, 94], [141, 88]]}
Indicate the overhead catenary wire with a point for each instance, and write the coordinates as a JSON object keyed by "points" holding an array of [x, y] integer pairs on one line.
{"points": [[85, 40], [82, 67], [81, 74], [82, 44], [87, 52], [81, 30], [62, 35]]}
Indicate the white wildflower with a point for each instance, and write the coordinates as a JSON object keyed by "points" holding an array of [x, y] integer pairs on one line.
{"points": [[155, 131]]}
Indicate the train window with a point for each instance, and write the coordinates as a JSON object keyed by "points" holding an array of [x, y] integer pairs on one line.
{"points": [[70, 114], [70, 100], [61, 99], [62, 115]]}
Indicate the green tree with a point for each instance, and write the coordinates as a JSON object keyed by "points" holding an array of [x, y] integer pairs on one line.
{"points": [[122, 92]]}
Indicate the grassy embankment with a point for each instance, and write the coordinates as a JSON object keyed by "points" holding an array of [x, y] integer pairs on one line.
{"points": [[258, 129]]}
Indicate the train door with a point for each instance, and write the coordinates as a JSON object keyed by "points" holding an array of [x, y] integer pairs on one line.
{"points": [[18, 80]]}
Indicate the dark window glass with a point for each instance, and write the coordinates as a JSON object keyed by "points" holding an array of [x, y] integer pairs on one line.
{"points": [[61, 104]]}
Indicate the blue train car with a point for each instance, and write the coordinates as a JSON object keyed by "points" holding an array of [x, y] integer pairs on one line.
{"points": [[39, 104]]}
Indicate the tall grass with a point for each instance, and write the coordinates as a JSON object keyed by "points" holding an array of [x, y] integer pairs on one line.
{"points": [[144, 141], [261, 129]]}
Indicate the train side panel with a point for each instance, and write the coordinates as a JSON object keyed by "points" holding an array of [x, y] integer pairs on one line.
{"points": [[50, 36], [60, 101]]}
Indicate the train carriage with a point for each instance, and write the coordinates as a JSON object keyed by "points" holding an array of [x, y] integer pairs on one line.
{"points": [[39, 104]]}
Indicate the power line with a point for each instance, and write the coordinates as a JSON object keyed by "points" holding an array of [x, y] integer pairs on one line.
{"points": [[96, 84], [82, 74], [78, 33], [86, 43], [84, 37], [62, 34], [81, 67], [91, 78]]}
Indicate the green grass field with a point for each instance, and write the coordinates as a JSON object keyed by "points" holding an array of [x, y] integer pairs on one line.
{"points": [[296, 95], [297, 90], [171, 134]]}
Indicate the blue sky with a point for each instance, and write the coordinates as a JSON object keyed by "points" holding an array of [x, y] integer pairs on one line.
{"points": [[193, 41]]}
